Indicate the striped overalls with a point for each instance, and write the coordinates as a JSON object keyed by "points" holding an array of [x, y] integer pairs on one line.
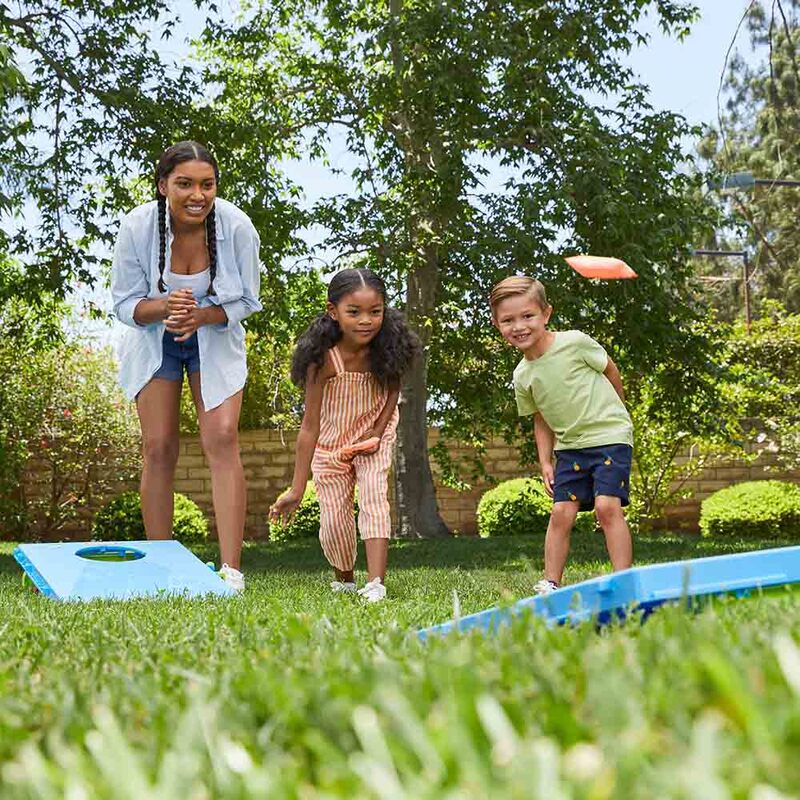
{"points": [[351, 403]]}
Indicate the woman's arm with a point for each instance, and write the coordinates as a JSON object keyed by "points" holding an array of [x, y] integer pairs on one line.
{"points": [[246, 246], [130, 286]]}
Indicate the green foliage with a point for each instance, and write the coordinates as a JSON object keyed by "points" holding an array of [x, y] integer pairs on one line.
{"points": [[305, 522], [121, 520], [288, 687], [520, 507], [760, 133], [435, 102], [766, 365], [67, 435], [755, 509]]}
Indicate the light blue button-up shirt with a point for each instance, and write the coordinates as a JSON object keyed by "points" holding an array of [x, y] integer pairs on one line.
{"points": [[134, 277]]}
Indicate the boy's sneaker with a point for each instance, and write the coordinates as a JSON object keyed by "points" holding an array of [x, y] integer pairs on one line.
{"points": [[232, 577], [343, 587], [545, 586], [374, 591]]}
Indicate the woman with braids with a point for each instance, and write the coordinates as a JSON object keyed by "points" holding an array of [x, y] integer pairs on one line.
{"points": [[350, 361], [184, 276]]}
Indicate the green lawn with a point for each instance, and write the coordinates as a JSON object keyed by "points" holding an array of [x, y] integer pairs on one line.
{"points": [[290, 692]]}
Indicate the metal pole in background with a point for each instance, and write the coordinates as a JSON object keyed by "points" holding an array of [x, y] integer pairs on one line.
{"points": [[743, 254]]}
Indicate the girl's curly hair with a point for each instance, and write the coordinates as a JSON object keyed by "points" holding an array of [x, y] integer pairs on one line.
{"points": [[390, 352]]}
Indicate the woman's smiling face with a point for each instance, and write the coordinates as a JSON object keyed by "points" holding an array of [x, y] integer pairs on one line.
{"points": [[190, 190]]}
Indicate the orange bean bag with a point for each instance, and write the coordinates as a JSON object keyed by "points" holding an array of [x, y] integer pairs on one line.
{"points": [[600, 267]]}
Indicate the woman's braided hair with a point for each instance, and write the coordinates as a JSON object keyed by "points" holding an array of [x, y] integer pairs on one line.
{"points": [[170, 158]]}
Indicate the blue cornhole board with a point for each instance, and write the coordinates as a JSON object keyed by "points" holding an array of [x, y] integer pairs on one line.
{"points": [[643, 589], [62, 571]]}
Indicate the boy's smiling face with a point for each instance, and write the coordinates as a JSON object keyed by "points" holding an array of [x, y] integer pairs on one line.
{"points": [[522, 322]]}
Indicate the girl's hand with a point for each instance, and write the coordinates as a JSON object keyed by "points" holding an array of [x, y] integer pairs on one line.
{"points": [[282, 510], [368, 444], [548, 478]]}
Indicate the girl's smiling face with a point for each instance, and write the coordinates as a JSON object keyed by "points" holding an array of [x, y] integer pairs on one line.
{"points": [[190, 190], [359, 314]]}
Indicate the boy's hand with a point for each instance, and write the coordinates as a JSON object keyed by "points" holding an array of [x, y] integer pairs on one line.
{"points": [[548, 477], [284, 507]]}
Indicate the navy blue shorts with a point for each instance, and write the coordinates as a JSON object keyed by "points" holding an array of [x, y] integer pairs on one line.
{"points": [[176, 356], [584, 473]]}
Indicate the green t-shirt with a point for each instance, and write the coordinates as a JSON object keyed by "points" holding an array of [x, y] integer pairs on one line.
{"points": [[567, 387]]}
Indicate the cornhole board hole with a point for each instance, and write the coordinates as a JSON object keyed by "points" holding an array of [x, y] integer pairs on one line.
{"points": [[117, 570], [643, 589]]}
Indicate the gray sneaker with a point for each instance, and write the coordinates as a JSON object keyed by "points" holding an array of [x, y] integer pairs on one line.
{"points": [[545, 586]]}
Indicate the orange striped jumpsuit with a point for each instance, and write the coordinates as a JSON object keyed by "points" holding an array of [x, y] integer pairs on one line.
{"points": [[351, 402]]}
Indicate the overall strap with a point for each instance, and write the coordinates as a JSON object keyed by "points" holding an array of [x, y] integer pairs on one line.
{"points": [[338, 363]]}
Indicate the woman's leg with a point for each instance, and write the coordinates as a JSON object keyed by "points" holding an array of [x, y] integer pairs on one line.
{"points": [[158, 406], [219, 436]]}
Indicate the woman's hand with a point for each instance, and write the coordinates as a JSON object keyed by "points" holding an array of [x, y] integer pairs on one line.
{"points": [[284, 507], [180, 302]]}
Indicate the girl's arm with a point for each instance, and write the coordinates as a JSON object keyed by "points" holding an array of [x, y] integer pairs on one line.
{"points": [[287, 504], [612, 373], [545, 439], [376, 431]]}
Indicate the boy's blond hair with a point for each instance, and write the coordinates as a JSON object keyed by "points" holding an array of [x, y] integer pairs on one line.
{"points": [[516, 285]]}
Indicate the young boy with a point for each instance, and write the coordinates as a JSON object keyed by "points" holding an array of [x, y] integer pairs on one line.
{"points": [[574, 390]]}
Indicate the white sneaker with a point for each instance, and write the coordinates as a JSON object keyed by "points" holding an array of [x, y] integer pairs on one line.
{"points": [[343, 587], [374, 591], [545, 586], [232, 577]]}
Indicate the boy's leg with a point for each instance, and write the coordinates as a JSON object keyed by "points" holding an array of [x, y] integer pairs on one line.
{"points": [[618, 538], [556, 541]]}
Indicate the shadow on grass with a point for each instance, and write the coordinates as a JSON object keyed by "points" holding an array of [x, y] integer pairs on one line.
{"points": [[476, 554]]}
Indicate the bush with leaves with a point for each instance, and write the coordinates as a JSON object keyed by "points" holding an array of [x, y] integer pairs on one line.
{"points": [[518, 507], [68, 437], [121, 520], [766, 364], [755, 510]]}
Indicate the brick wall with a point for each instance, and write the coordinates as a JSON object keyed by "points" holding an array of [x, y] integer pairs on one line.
{"points": [[268, 458]]}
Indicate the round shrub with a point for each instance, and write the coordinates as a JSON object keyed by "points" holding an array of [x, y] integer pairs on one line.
{"points": [[121, 520], [755, 509], [305, 522], [520, 506]]}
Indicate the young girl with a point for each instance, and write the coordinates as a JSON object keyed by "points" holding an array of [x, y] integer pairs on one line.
{"points": [[185, 274], [350, 361]]}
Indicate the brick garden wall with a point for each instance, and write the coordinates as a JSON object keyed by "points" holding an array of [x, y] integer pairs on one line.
{"points": [[268, 458]]}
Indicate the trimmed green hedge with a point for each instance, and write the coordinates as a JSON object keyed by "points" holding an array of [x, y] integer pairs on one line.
{"points": [[521, 506], [755, 509], [121, 520]]}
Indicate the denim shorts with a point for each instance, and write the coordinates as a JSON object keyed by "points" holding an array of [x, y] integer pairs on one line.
{"points": [[587, 472], [177, 355]]}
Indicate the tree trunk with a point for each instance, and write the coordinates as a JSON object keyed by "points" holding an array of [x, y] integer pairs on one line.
{"points": [[417, 510]]}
